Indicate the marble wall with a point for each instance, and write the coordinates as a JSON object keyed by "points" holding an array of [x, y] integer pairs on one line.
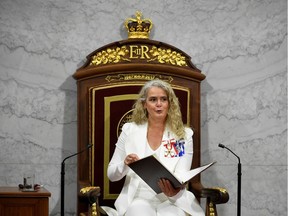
{"points": [[240, 45]]}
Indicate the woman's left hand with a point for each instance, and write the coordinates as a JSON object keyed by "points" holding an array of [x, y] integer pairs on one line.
{"points": [[167, 188]]}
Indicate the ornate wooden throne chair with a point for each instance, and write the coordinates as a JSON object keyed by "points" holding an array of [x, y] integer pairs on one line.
{"points": [[108, 84]]}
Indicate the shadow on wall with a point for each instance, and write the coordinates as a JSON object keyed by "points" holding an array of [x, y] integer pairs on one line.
{"points": [[69, 147], [208, 146]]}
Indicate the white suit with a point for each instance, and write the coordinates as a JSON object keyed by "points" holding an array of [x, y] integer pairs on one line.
{"points": [[133, 139]]}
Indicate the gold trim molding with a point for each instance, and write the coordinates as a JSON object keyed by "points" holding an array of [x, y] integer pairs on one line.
{"points": [[136, 76], [92, 122], [107, 103]]}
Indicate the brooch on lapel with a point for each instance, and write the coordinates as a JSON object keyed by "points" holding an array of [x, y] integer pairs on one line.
{"points": [[174, 148]]}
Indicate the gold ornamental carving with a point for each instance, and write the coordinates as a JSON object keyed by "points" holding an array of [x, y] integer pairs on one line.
{"points": [[110, 56], [138, 52], [167, 56], [138, 28], [87, 189]]}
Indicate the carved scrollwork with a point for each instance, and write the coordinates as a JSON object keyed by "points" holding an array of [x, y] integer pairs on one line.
{"points": [[167, 56], [110, 56]]}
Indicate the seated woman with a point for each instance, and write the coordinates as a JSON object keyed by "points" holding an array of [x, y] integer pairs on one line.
{"points": [[156, 125]]}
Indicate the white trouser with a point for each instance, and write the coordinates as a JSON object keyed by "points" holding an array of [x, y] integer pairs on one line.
{"points": [[141, 207]]}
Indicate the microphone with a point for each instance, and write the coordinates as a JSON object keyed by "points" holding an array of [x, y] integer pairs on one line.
{"points": [[223, 146], [239, 179], [63, 175]]}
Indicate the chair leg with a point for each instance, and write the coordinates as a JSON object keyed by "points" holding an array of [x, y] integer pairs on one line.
{"points": [[211, 208], [94, 209]]}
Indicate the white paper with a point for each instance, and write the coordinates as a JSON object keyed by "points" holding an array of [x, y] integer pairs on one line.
{"points": [[190, 174]]}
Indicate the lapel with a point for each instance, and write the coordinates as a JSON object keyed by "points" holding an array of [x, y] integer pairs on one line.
{"points": [[137, 140], [135, 143]]}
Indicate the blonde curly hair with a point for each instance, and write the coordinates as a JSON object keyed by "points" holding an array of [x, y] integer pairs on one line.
{"points": [[174, 117]]}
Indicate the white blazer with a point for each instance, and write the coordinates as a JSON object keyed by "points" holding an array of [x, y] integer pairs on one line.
{"points": [[133, 139]]}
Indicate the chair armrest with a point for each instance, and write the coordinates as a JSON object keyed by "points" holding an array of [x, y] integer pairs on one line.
{"points": [[90, 193], [216, 195], [213, 196], [87, 192]]}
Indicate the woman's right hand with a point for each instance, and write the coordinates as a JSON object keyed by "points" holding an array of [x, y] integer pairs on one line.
{"points": [[131, 158]]}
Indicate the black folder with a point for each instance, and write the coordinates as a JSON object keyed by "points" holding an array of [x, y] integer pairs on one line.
{"points": [[151, 170]]}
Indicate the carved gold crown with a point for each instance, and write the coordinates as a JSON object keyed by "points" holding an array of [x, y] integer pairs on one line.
{"points": [[138, 28]]}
